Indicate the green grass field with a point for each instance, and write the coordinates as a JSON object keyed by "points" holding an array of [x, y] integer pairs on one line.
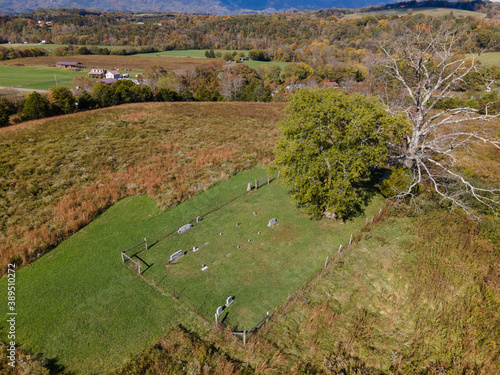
{"points": [[80, 305], [490, 58], [188, 53], [262, 272], [436, 12], [37, 78], [201, 54]]}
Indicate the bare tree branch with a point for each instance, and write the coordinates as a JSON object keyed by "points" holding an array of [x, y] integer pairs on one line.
{"points": [[428, 63]]}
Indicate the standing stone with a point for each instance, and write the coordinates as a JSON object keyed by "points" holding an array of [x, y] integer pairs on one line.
{"points": [[184, 228], [272, 222], [249, 186]]}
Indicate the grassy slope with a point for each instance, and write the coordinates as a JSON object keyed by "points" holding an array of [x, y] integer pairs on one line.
{"points": [[262, 272], [56, 175], [436, 12], [411, 295], [79, 304], [201, 54], [188, 53], [490, 58]]}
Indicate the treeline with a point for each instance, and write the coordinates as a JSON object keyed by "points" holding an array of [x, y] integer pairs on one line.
{"points": [[214, 82], [287, 35]]}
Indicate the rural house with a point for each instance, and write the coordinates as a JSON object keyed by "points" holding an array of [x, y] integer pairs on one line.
{"points": [[113, 74], [97, 73], [331, 84]]}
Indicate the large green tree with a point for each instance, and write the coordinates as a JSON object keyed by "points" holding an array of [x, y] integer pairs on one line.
{"points": [[35, 107], [62, 100], [330, 142]]}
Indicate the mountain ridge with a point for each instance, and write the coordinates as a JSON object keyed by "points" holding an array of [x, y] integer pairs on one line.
{"points": [[217, 7]]}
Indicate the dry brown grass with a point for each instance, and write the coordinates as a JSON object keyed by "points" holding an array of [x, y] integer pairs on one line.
{"points": [[58, 174], [130, 62]]}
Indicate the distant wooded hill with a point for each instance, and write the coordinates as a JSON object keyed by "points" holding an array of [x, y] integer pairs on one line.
{"points": [[210, 6]]}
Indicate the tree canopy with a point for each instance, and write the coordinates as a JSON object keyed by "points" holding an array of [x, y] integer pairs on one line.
{"points": [[330, 143], [35, 107]]}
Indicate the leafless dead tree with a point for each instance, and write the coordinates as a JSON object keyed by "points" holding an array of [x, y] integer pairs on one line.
{"points": [[427, 63]]}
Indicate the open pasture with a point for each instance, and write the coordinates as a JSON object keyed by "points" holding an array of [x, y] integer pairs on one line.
{"points": [[435, 12], [130, 62], [490, 58], [188, 53], [36, 78]]}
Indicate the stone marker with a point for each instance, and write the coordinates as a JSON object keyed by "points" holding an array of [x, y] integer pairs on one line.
{"points": [[219, 311], [199, 219], [229, 301], [249, 240], [249, 186], [184, 228], [330, 215], [238, 246], [255, 213], [176, 256], [272, 222]]}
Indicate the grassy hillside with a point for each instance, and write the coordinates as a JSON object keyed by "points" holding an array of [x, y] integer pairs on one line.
{"points": [[56, 175], [436, 12], [413, 295], [80, 299], [490, 58]]}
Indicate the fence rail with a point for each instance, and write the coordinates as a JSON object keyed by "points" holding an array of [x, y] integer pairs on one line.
{"points": [[137, 263], [245, 333]]}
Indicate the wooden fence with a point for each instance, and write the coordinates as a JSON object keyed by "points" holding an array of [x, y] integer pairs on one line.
{"points": [[245, 333]]}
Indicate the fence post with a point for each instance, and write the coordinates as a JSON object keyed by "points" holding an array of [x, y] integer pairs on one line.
{"points": [[267, 320], [256, 185], [244, 337], [326, 262], [350, 241], [139, 267], [146, 242], [123, 260], [216, 319], [268, 179], [340, 248]]}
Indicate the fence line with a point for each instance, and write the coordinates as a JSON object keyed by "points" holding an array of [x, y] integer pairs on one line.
{"points": [[256, 184], [140, 243], [245, 333], [138, 263]]}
